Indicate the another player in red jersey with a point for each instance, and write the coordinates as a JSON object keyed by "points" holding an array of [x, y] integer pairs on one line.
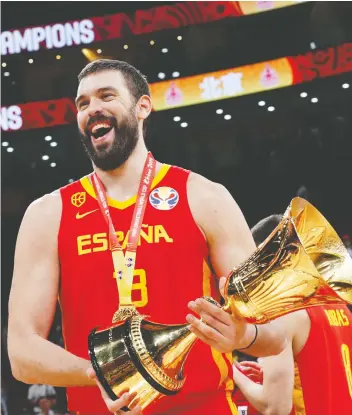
{"points": [[190, 226], [316, 365]]}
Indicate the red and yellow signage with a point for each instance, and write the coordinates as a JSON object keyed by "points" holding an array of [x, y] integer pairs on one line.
{"points": [[198, 89], [228, 83]]}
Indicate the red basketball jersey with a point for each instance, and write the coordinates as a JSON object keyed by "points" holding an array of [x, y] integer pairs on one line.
{"points": [[171, 270], [323, 377]]}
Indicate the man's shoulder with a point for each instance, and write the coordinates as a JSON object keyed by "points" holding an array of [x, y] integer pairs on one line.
{"points": [[295, 318], [210, 203], [199, 186], [204, 189], [46, 201], [45, 208], [52, 202], [210, 198], [297, 326]]}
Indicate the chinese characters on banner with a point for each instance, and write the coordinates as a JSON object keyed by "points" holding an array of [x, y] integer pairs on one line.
{"points": [[227, 85], [224, 84]]}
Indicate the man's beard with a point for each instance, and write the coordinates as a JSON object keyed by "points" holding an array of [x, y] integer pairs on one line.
{"points": [[111, 156]]}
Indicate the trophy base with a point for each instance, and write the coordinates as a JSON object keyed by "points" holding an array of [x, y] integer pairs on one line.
{"points": [[99, 373]]}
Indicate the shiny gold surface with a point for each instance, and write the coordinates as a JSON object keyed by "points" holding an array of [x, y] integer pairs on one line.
{"points": [[302, 263], [125, 312], [142, 356], [156, 372], [146, 394]]}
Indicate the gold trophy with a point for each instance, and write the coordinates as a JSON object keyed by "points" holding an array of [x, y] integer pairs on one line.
{"points": [[303, 263]]}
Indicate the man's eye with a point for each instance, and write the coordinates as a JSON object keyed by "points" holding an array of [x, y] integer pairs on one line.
{"points": [[82, 105], [107, 96]]}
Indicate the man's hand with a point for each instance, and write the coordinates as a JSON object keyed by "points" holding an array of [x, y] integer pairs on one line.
{"points": [[115, 406], [252, 370], [219, 329]]}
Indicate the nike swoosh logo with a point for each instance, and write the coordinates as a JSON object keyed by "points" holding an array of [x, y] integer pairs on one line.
{"points": [[82, 215]]}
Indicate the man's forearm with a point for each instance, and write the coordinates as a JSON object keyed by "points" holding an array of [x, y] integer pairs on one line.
{"points": [[271, 339], [252, 391], [36, 360], [258, 397], [274, 397]]}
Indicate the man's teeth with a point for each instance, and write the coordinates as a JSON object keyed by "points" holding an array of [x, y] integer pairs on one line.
{"points": [[97, 126]]}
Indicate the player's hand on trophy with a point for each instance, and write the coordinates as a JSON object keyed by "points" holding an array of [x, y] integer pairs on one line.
{"points": [[115, 406], [217, 328]]}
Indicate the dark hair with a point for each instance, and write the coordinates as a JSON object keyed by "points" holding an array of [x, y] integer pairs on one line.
{"points": [[264, 227], [136, 82]]}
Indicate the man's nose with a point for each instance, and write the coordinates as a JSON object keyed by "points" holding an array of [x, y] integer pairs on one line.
{"points": [[94, 108]]}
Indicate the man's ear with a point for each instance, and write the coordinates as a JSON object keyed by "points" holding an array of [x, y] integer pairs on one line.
{"points": [[144, 107]]}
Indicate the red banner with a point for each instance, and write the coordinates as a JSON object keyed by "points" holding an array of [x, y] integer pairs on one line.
{"points": [[198, 89], [38, 114], [98, 29]]}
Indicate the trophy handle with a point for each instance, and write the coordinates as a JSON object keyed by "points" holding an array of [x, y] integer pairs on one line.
{"points": [[211, 301], [228, 307]]}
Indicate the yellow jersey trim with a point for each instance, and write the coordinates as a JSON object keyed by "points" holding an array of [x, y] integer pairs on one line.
{"points": [[298, 399], [88, 187], [231, 403], [218, 357]]}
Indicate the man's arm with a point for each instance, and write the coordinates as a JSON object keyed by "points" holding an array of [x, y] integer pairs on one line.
{"points": [[274, 396], [230, 243], [33, 300]]}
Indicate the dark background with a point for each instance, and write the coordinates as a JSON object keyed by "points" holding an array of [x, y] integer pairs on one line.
{"points": [[263, 158]]}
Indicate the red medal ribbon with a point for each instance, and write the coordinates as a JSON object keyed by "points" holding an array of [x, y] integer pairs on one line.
{"points": [[124, 264]]}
